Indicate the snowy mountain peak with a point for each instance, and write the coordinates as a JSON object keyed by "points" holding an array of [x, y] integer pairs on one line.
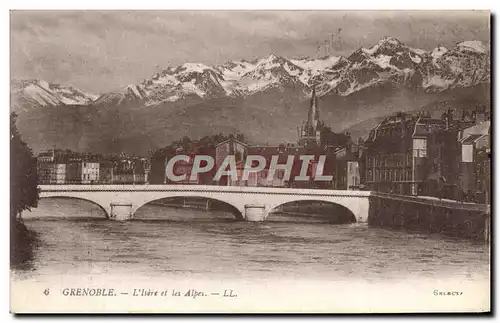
{"points": [[318, 64], [272, 56], [194, 67], [271, 61], [390, 40], [135, 90], [43, 93], [473, 46], [438, 51], [385, 46]]}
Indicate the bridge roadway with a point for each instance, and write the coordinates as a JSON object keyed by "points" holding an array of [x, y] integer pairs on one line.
{"points": [[120, 202]]}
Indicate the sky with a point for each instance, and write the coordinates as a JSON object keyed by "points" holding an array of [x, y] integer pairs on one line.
{"points": [[102, 51]]}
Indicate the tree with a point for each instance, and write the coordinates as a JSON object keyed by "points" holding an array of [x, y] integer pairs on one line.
{"points": [[24, 192]]}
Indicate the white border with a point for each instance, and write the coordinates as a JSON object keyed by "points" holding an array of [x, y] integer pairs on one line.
{"points": [[256, 5], [185, 4]]}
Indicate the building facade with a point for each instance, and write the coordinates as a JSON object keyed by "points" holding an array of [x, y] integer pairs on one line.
{"points": [[418, 155], [475, 163], [396, 153], [51, 167], [51, 173], [230, 147], [82, 172], [346, 168], [129, 170], [106, 172]]}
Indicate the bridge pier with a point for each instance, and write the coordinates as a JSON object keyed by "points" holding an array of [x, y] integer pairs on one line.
{"points": [[255, 212], [121, 211]]}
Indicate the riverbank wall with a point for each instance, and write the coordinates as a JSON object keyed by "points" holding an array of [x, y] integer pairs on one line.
{"points": [[430, 215]]}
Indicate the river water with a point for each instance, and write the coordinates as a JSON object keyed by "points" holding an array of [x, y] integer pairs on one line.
{"points": [[74, 238]]}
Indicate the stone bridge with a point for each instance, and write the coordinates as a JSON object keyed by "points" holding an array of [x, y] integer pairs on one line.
{"points": [[120, 202]]}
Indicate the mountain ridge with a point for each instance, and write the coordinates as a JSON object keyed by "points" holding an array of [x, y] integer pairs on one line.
{"points": [[389, 60], [266, 98]]}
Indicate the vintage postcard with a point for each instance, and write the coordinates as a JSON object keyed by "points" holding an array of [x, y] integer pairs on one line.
{"points": [[170, 161]]}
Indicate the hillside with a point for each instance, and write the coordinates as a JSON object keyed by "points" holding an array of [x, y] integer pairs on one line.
{"points": [[458, 100]]}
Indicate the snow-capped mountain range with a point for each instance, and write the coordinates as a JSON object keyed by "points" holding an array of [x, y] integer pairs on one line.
{"points": [[39, 92], [387, 62]]}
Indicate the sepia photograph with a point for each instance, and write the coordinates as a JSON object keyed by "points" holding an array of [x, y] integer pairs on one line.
{"points": [[250, 161]]}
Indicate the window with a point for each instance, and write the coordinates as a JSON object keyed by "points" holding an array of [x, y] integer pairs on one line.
{"points": [[419, 147], [467, 154]]}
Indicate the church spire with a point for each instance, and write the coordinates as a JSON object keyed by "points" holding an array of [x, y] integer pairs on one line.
{"points": [[313, 116], [310, 131]]}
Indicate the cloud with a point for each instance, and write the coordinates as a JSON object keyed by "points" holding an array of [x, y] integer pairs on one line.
{"points": [[106, 50]]}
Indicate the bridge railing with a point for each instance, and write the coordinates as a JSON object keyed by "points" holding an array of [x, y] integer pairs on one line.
{"points": [[204, 188]]}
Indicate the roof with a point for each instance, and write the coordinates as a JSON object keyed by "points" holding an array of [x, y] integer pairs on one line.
{"points": [[373, 133], [345, 154], [275, 150], [479, 129], [470, 139], [235, 140], [400, 119], [106, 163], [46, 154], [425, 126]]}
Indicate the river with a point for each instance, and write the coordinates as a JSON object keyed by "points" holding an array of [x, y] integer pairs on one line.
{"points": [[74, 238]]}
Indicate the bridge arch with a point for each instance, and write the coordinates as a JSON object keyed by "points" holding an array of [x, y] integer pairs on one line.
{"points": [[237, 213], [89, 200], [358, 205], [330, 210]]}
